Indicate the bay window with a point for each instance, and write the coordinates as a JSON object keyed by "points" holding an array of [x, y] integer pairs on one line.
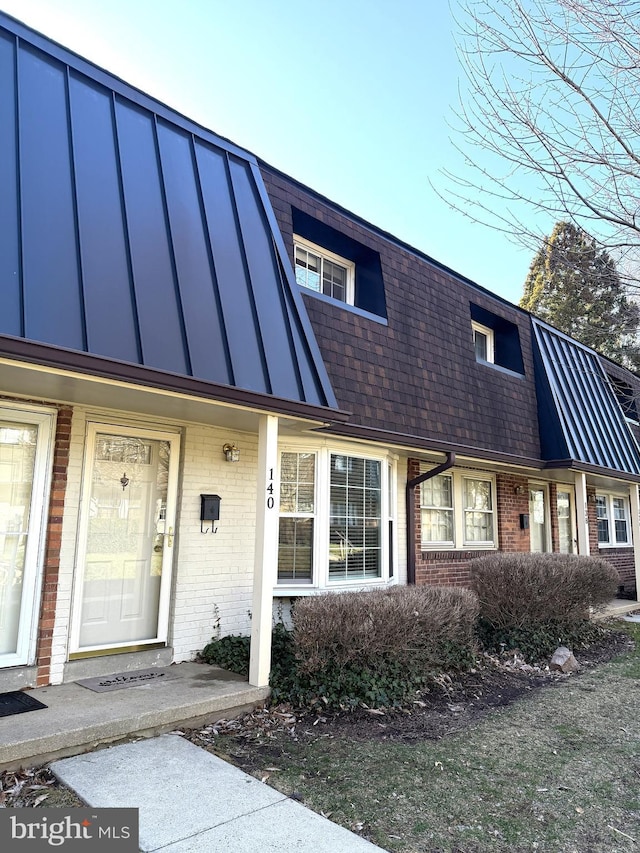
{"points": [[331, 528]]}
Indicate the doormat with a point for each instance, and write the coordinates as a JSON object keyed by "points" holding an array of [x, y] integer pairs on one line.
{"points": [[18, 702], [135, 678]]}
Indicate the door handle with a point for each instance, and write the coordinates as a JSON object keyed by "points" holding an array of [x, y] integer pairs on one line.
{"points": [[170, 537]]}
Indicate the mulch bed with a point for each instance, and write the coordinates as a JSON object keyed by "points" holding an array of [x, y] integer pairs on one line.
{"points": [[450, 705]]}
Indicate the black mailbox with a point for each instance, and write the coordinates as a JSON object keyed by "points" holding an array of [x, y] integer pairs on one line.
{"points": [[209, 507]]}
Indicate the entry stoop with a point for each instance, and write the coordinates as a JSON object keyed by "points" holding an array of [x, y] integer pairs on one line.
{"points": [[78, 720]]}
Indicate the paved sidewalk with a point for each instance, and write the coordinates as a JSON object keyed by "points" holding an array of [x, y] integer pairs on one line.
{"points": [[190, 801]]}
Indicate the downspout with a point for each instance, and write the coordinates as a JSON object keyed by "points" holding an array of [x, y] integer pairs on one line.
{"points": [[410, 500]]}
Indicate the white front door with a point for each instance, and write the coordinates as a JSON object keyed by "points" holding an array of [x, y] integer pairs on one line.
{"points": [[25, 464], [123, 572]]}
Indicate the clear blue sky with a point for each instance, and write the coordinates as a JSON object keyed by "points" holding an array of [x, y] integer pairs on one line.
{"points": [[352, 97]]}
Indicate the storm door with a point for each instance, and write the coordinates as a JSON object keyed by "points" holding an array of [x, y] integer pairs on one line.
{"points": [[566, 534], [126, 539], [25, 462], [538, 519]]}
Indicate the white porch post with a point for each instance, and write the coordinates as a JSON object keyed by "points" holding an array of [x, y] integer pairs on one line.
{"points": [[635, 529], [582, 513], [266, 552]]}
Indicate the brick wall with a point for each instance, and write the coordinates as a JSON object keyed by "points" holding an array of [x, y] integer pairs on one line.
{"points": [[622, 560], [451, 567], [52, 547], [512, 501]]}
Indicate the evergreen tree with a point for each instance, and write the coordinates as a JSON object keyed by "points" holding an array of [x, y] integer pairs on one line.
{"points": [[574, 285]]}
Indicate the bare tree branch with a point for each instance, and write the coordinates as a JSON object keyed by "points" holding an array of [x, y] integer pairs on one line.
{"points": [[549, 120]]}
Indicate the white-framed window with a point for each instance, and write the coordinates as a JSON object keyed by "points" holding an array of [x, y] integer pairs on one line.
{"points": [[297, 517], [323, 272], [612, 513], [457, 511], [483, 342], [337, 508]]}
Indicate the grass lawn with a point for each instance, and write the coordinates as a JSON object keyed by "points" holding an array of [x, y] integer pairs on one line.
{"points": [[558, 770]]}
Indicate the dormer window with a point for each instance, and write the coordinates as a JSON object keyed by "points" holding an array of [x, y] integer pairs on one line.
{"points": [[323, 272], [483, 342]]}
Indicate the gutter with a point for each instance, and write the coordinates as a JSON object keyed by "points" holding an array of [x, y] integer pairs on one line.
{"points": [[410, 502], [104, 367]]}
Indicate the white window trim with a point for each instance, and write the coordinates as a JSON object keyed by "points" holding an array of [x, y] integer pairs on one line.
{"points": [[490, 336], [609, 496], [325, 254], [459, 543], [320, 566]]}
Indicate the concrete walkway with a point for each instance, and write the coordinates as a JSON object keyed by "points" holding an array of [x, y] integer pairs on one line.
{"points": [[190, 801], [78, 720]]}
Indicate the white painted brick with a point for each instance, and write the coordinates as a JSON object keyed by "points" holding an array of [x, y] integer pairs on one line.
{"points": [[212, 573]]}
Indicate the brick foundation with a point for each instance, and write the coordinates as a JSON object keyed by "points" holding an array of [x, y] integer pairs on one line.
{"points": [[622, 560]]}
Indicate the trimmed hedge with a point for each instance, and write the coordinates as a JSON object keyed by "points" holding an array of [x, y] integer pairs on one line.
{"points": [[374, 648], [427, 627], [536, 602]]}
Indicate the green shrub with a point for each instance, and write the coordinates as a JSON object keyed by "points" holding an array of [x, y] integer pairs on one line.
{"points": [[538, 642], [536, 602], [230, 652], [376, 648], [346, 687]]}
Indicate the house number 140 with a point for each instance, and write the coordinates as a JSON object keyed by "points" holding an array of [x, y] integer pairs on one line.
{"points": [[270, 498]]}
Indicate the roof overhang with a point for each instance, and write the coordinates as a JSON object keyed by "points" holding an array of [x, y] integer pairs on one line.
{"points": [[38, 372]]}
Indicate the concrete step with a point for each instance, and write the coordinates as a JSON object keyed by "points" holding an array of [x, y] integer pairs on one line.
{"points": [[77, 720]]}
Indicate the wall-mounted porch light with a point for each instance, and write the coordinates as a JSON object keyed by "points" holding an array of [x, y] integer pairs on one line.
{"points": [[231, 452]]}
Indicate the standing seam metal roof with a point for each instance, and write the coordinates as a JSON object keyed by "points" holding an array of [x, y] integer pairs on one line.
{"points": [[582, 419], [130, 232]]}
